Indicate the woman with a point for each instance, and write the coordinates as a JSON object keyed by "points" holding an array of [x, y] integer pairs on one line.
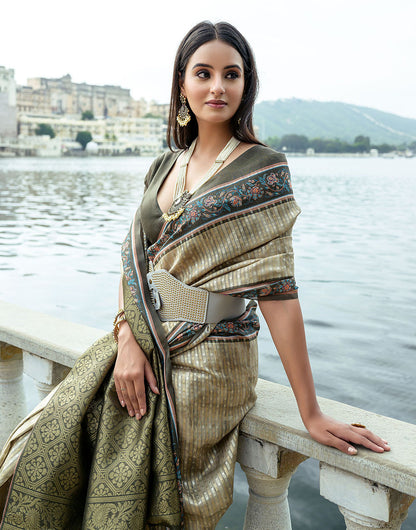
{"points": [[215, 221]]}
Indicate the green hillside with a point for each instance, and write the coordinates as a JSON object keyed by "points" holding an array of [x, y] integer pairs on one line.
{"points": [[317, 119]]}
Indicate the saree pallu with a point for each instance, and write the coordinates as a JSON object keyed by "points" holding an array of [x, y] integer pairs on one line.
{"points": [[87, 464]]}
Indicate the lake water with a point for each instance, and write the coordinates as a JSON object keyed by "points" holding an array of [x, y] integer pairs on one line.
{"points": [[62, 222]]}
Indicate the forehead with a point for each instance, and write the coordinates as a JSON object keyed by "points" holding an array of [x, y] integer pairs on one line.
{"points": [[216, 53]]}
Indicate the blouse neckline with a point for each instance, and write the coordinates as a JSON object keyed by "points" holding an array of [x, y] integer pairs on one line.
{"points": [[205, 186]]}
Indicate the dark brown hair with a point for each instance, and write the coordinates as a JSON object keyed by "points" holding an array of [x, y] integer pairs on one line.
{"points": [[242, 121]]}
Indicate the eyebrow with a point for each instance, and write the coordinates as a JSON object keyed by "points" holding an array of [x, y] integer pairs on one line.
{"points": [[198, 65]]}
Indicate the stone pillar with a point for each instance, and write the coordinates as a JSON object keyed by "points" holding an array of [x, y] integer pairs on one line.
{"points": [[363, 503], [12, 397], [268, 469], [46, 374], [11, 363]]}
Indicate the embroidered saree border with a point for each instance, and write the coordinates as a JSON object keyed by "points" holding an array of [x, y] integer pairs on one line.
{"points": [[257, 261], [135, 270], [231, 199]]}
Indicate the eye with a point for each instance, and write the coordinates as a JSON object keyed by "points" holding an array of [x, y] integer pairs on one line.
{"points": [[203, 74], [232, 75]]}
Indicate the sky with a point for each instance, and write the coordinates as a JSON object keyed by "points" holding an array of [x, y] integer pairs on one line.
{"points": [[357, 51]]}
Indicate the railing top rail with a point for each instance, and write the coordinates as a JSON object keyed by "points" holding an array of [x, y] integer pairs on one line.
{"points": [[274, 418], [49, 337]]}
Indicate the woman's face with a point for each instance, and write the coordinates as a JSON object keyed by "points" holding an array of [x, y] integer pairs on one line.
{"points": [[214, 82]]}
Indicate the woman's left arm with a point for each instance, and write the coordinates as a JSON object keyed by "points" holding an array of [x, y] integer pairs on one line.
{"points": [[285, 322]]}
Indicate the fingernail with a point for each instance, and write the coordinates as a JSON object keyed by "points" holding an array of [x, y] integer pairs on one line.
{"points": [[131, 413], [142, 412], [138, 416], [122, 403], [352, 450], [156, 390], [385, 441]]}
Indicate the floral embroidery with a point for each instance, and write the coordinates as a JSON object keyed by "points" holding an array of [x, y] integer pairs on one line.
{"points": [[69, 478], [271, 184], [50, 431], [59, 454], [67, 396], [36, 469], [209, 201], [101, 491], [71, 416], [120, 475], [283, 287]]}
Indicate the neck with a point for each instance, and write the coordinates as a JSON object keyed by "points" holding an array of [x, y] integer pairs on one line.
{"points": [[211, 138]]}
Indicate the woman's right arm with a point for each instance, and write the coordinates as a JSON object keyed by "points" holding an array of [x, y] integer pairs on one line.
{"points": [[131, 370]]}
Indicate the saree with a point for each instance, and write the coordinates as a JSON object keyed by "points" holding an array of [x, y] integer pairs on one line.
{"points": [[87, 464]]}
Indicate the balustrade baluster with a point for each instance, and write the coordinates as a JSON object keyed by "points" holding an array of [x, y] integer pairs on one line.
{"points": [[363, 503], [269, 469]]}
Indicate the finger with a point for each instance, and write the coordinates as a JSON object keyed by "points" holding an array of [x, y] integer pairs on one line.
{"points": [[150, 378], [130, 398], [120, 393], [140, 394], [374, 438], [342, 445], [367, 439], [361, 436]]}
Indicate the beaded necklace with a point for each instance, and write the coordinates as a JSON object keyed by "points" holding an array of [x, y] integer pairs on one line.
{"points": [[181, 196]]}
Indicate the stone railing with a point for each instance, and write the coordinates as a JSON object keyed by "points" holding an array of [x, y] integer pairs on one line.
{"points": [[371, 490]]}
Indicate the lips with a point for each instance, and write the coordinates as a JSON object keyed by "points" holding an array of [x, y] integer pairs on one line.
{"points": [[216, 103]]}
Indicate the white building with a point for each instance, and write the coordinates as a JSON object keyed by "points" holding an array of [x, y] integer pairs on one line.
{"points": [[119, 135], [8, 116]]}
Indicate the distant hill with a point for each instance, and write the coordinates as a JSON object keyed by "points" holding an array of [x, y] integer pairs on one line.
{"points": [[332, 119]]}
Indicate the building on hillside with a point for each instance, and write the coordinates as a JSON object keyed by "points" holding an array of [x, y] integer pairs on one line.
{"points": [[60, 96], [140, 107], [159, 109], [32, 101], [113, 135], [8, 116]]}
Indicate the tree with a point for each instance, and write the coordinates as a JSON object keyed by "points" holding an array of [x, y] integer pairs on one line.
{"points": [[273, 142], [412, 146], [44, 129], [83, 138], [87, 115], [294, 142], [385, 148], [362, 143]]}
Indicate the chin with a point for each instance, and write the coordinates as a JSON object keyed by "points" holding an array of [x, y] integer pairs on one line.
{"points": [[216, 118]]}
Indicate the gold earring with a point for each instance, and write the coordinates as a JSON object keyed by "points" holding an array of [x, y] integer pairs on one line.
{"points": [[183, 117]]}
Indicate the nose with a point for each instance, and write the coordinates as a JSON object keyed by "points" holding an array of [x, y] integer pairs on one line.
{"points": [[217, 86]]}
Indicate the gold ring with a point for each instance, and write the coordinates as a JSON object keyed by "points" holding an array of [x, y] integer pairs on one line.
{"points": [[123, 389], [360, 425]]}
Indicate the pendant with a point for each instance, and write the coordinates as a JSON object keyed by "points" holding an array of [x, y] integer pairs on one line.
{"points": [[178, 207]]}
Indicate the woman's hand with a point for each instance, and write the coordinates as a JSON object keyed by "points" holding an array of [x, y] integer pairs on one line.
{"points": [[328, 431], [131, 370]]}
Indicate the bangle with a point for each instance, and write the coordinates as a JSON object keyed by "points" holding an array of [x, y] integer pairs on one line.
{"points": [[119, 318]]}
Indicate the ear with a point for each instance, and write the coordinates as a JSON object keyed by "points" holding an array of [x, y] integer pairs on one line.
{"points": [[181, 83]]}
